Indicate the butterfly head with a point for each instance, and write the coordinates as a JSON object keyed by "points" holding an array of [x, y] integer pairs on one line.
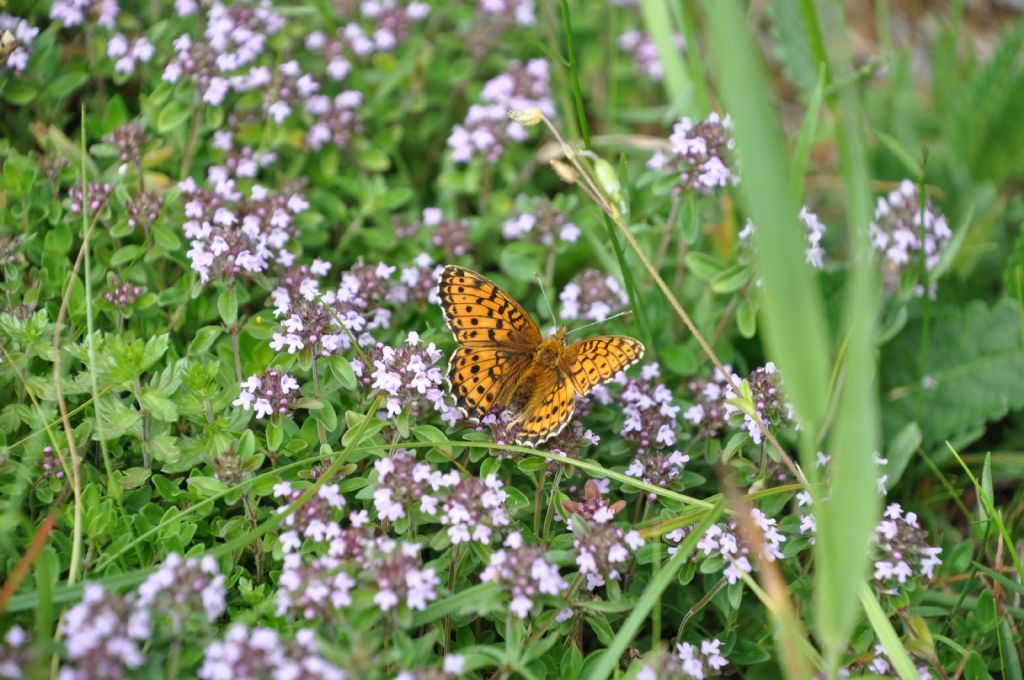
{"points": [[560, 334]]}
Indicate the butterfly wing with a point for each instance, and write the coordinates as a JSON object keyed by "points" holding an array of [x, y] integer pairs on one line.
{"points": [[496, 339], [592, 361], [481, 315], [482, 378], [548, 410]]}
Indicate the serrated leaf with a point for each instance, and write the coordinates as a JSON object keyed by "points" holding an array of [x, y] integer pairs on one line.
{"points": [[975, 362]]}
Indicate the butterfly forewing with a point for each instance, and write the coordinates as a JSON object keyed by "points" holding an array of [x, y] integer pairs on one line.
{"points": [[480, 314], [590, 362], [482, 378]]}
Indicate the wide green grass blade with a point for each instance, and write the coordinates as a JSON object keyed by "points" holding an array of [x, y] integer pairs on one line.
{"points": [[847, 520], [662, 30], [888, 636], [628, 630], [791, 311]]}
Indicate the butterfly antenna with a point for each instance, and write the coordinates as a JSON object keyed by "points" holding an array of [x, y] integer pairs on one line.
{"points": [[594, 323], [547, 300]]}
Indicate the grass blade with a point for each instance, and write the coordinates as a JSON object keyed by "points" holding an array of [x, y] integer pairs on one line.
{"points": [[890, 639], [659, 25]]}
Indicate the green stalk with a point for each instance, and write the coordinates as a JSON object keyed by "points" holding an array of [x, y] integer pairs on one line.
{"points": [[581, 114]]}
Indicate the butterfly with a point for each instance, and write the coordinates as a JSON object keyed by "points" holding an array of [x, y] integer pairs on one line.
{"points": [[503, 361]]}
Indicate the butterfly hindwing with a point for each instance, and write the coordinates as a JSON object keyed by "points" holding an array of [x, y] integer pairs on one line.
{"points": [[548, 411], [593, 361], [480, 314], [481, 378]]}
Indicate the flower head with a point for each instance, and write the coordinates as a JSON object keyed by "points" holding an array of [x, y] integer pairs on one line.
{"points": [[699, 154], [592, 295], [902, 232], [525, 572], [104, 635]]}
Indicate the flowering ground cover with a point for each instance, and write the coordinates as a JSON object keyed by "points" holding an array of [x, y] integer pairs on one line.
{"points": [[228, 448]]}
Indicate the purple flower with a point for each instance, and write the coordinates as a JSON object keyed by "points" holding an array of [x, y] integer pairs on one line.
{"points": [[448, 234], [474, 508], [232, 235], [394, 570], [24, 35], [419, 282], [75, 12], [709, 412], [51, 464], [261, 653], [183, 586], [16, 654], [772, 408], [593, 507], [487, 128], [645, 55], [903, 550], [97, 192], [815, 253], [592, 295], [722, 542], [657, 469], [337, 119], [104, 635], [268, 394], [403, 482], [314, 520], [123, 295], [699, 154], [899, 234], [650, 416], [525, 572], [519, 12], [603, 550], [410, 376], [542, 223], [143, 209], [127, 54]]}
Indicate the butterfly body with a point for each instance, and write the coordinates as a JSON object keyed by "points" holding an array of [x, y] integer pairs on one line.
{"points": [[503, 362]]}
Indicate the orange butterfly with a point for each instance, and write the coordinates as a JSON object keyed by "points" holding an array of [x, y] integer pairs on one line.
{"points": [[503, 361]]}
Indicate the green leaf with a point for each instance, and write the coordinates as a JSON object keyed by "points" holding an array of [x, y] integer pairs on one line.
{"points": [[975, 361], [704, 266], [172, 116], [521, 260], [159, 406], [205, 487], [227, 306], [275, 435], [204, 339], [429, 433], [730, 280], [64, 84], [132, 478]]}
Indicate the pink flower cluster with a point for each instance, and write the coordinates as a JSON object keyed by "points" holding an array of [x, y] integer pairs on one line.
{"points": [[699, 154], [232, 234], [487, 128], [525, 572], [722, 542], [602, 550], [592, 295], [269, 394]]}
